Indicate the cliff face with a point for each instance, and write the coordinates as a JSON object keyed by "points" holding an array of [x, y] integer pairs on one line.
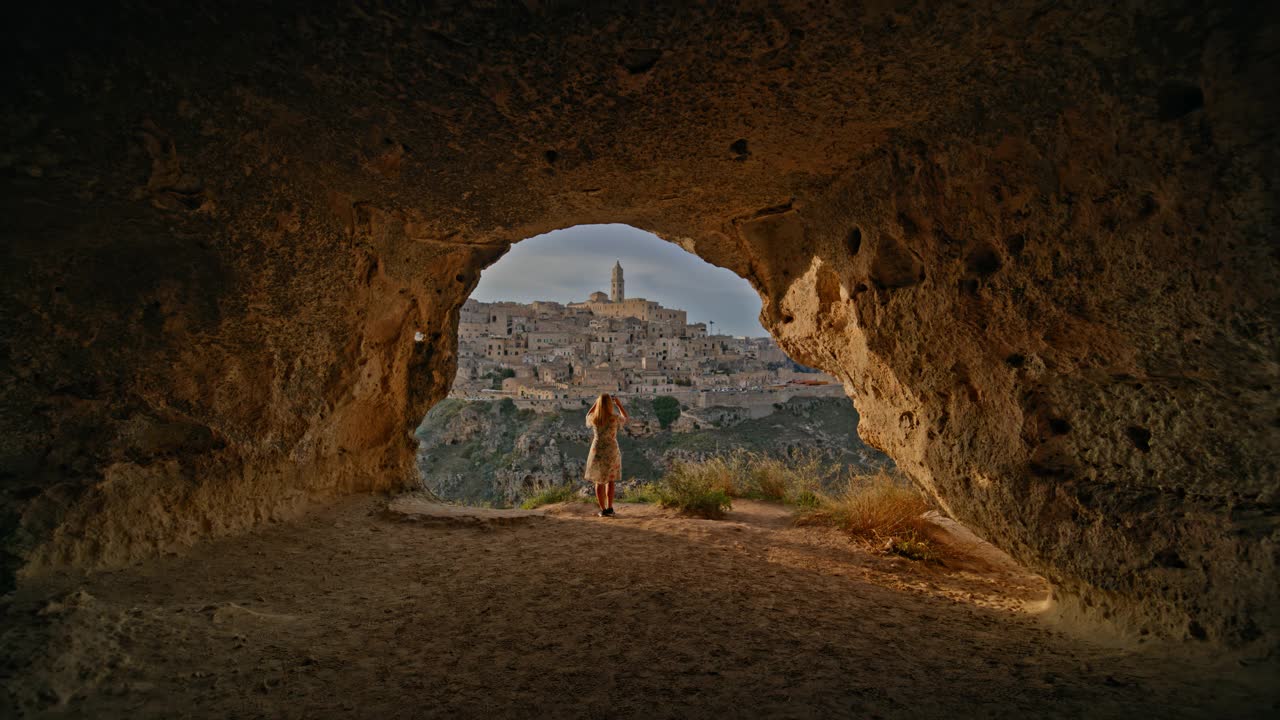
{"points": [[476, 452], [1034, 239]]}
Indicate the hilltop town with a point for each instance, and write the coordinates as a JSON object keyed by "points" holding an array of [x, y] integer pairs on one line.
{"points": [[549, 356]]}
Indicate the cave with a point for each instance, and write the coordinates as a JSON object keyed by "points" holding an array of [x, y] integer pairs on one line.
{"points": [[1035, 241]]}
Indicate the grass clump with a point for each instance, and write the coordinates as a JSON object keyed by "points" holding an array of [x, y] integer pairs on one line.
{"points": [[795, 481], [769, 478], [707, 487], [641, 493], [759, 476], [552, 495], [695, 489], [881, 509]]}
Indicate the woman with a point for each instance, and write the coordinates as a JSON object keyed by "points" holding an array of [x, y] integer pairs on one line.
{"points": [[604, 462]]}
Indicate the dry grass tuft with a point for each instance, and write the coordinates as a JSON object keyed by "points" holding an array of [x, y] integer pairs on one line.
{"points": [[757, 476], [552, 495], [695, 489], [880, 509]]}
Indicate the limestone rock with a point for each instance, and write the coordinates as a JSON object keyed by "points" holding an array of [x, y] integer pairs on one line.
{"points": [[1036, 240]]}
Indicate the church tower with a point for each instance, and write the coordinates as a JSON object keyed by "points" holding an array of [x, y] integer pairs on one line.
{"points": [[618, 294]]}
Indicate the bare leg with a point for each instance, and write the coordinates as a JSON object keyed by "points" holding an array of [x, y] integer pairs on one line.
{"points": [[610, 495], [602, 494]]}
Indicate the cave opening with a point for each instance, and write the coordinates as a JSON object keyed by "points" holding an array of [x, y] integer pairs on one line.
{"points": [[1035, 240], [609, 308]]}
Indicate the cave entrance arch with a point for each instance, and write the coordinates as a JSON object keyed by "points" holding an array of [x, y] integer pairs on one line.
{"points": [[1044, 266], [568, 314]]}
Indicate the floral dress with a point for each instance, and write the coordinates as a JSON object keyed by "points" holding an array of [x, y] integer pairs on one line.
{"points": [[604, 462]]}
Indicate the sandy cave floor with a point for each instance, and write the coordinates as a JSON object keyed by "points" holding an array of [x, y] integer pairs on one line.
{"points": [[360, 611]]}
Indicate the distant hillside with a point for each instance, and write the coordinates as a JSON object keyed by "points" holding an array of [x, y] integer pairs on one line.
{"points": [[491, 452]]}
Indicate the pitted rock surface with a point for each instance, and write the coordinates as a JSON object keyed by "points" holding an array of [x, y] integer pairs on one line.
{"points": [[1035, 239]]}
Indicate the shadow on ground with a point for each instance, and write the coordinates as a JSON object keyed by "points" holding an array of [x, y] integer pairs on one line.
{"points": [[358, 612]]}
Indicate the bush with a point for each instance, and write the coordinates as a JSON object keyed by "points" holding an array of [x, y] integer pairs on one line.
{"points": [[806, 500], [879, 508], [765, 477], [707, 488], [667, 409], [756, 476], [552, 495], [693, 489], [771, 479]]}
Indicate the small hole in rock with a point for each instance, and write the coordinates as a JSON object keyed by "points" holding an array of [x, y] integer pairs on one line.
{"points": [[739, 147], [1169, 559], [1140, 437], [460, 278], [1059, 426], [1015, 360], [551, 156], [1178, 98], [1147, 206], [909, 226], [983, 261], [1015, 244], [788, 318], [854, 241], [640, 60]]}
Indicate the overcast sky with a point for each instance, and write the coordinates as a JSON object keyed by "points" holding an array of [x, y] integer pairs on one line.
{"points": [[567, 265]]}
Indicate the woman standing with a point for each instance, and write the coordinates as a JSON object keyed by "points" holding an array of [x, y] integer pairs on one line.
{"points": [[604, 462]]}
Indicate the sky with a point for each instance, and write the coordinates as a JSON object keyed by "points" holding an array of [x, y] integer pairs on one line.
{"points": [[568, 265]]}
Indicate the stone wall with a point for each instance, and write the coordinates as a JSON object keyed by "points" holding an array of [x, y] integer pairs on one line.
{"points": [[1036, 241]]}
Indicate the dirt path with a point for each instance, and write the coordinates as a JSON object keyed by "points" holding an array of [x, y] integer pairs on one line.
{"points": [[356, 612]]}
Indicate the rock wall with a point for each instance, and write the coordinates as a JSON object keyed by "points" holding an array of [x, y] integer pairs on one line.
{"points": [[1035, 239]]}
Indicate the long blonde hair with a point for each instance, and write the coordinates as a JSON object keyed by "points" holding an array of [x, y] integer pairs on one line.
{"points": [[602, 409]]}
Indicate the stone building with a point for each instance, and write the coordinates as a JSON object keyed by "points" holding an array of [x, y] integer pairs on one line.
{"points": [[547, 351]]}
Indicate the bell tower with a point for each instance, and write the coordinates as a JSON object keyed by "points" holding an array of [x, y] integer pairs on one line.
{"points": [[618, 294]]}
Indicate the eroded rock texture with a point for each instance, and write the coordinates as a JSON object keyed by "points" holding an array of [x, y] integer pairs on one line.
{"points": [[1036, 239]]}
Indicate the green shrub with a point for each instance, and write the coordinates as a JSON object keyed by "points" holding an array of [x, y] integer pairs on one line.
{"points": [[692, 488], [667, 409], [806, 500], [552, 495]]}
